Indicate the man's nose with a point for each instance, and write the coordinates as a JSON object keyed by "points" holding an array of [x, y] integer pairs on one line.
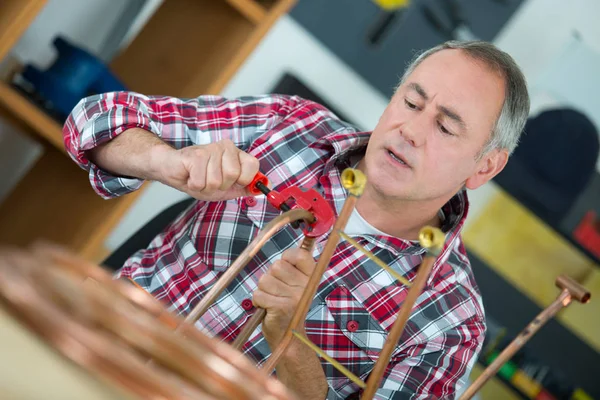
{"points": [[414, 131]]}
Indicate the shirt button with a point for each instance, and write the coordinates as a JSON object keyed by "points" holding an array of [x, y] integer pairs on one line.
{"points": [[250, 201], [352, 326], [247, 304]]}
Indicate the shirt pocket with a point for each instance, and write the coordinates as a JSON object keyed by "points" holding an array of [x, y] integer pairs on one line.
{"points": [[358, 339]]}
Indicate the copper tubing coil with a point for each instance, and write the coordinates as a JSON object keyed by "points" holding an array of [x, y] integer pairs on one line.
{"points": [[110, 328]]}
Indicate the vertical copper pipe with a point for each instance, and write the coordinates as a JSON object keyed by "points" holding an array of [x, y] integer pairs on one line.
{"points": [[259, 315], [434, 243], [243, 259], [354, 181], [563, 300]]}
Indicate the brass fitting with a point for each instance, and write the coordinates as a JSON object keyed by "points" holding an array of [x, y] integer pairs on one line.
{"points": [[354, 181], [432, 239]]}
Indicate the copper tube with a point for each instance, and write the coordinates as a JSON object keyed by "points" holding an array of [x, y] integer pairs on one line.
{"points": [[255, 320], [265, 234], [576, 291], [565, 298], [432, 239], [376, 260], [354, 181], [259, 315]]}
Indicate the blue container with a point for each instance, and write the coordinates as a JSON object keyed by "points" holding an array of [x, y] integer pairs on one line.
{"points": [[74, 74]]}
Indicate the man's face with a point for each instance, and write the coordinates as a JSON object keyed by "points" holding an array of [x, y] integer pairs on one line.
{"points": [[426, 143]]}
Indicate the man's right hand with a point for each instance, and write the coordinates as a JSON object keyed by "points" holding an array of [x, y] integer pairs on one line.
{"points": [[212, 172]]}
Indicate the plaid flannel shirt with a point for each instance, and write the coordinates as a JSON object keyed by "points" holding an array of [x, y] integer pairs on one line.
{"points": [[297, 142]]}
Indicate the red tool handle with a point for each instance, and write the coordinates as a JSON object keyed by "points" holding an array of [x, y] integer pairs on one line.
{"points": [[259, 177]]}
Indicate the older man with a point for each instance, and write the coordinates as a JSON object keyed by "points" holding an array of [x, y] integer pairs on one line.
{"points": [[451, 125]]}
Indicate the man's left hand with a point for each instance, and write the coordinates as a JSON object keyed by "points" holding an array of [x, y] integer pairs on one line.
{"points": [[279, 292], [280, 289]]}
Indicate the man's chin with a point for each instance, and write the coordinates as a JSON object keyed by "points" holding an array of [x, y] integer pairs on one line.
{"points": [[391, 190]]}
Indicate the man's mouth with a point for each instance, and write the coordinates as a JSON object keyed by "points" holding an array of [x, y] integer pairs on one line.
{"points": [[398, 158]]}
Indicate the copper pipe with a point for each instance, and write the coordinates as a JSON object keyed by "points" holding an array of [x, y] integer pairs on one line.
{"points": [[354, 181], [376, 260], [259, 315], [431, 239], [250, 251], [571, 290]]}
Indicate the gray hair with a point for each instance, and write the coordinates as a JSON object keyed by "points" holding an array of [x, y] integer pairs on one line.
{"points": [[515, 110]]}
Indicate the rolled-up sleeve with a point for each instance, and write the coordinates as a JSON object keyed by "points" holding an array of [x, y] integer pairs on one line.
{"points": [[179, 122]]}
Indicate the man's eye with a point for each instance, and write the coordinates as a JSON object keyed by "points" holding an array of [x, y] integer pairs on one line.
{"points": [[410, 105], [444, 130]]}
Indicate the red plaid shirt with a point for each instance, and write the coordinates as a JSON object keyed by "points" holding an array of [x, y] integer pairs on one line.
{"points": [[298, 143]]}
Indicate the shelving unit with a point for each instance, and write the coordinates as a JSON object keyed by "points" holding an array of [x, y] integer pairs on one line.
{"points": [[45, 127], [187, 48], [199, 50]]}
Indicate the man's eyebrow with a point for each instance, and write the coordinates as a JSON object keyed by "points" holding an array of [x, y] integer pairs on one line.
{"points": [[419, 89], [453, 115]]}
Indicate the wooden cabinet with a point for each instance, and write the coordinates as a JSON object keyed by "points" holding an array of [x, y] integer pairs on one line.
{"points": [[187, 48]]}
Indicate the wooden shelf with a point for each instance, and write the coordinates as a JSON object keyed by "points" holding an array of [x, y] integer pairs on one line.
{"points": [[55, 202], [31, 115], [15, 17], [250, 9]]}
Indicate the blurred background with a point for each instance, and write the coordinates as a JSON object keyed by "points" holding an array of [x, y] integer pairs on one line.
{"points": [[539, 218]]}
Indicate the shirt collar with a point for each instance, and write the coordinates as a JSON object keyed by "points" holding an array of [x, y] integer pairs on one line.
{"points": [[344, 144], [349, 144]]}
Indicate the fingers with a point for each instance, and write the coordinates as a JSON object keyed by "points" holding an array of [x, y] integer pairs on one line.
{"points": [[288, 274], [248, 168], [214, 175], [301, 259], [230, 167], [273, 286], [195, 181], [218, 171], [268, 301]]}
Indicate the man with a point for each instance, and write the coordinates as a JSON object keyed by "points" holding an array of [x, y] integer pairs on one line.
{"points": [[451, 125]]}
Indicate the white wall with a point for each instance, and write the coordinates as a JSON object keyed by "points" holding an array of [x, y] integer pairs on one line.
{"points": [[85, 22]]}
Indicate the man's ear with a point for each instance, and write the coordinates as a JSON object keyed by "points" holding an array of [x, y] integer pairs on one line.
{"points": [[488, 167]]}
